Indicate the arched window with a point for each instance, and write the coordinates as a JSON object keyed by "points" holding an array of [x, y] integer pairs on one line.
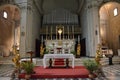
{"points": [[5, 14], [115, 11]]}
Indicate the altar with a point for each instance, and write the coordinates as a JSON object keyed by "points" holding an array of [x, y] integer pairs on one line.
{"points": [[57, 56], [60, 46]]}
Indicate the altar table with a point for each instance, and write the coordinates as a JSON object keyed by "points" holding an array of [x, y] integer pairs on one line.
{"points": [[59, 56]]}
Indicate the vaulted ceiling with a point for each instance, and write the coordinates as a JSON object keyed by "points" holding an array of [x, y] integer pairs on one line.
{"points": [[46, 6], [6, 1]]}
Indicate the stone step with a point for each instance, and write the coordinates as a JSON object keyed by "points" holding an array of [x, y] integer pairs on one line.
{"points": [[58, 63], [79, 61], [39, 62]]}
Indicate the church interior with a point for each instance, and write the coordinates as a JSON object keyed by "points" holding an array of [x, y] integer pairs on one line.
{"points": [[59, 35]]}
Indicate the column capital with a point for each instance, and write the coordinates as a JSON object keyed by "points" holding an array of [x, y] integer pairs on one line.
{"points": [[93, 3], [25, 7]]}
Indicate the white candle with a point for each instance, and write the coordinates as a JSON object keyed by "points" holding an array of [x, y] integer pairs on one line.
{"points": [[68, 31], [42, 38], [78, 38], [46, 32], [51, 32], [73, 31], [56, 32], [63, 32]]}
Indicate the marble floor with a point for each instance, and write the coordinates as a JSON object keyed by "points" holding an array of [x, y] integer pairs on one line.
{"points": [[111, 72]]}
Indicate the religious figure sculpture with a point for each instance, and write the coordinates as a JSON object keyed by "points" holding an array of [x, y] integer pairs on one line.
{"points": [[78, 49], [42, 50]]}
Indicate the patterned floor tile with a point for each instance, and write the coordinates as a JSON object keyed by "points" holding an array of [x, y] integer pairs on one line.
{"points": [[111, 72]]}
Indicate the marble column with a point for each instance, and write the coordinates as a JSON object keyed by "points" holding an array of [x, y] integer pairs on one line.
{"points": [[93, 27], [25, 28]]}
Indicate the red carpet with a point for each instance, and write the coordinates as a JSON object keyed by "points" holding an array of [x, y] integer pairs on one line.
{"points": [[58, 62], [77, 72]]}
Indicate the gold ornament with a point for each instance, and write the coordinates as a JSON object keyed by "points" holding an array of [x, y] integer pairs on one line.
{"points": [[78, 49], [16, 58], [98, 54], [42, 49]]}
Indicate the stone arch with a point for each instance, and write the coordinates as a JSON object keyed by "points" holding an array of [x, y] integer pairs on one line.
{"points": [[9, 28], [109, 25], [107, 1]]}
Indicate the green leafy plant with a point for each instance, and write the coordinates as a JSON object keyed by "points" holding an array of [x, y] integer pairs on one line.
{"points": [[28, 67], [91, 65], [46, 51], [73, 52]]}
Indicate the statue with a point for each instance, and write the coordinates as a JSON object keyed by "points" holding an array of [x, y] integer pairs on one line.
{"points": [[42, 50], [78, 49]]}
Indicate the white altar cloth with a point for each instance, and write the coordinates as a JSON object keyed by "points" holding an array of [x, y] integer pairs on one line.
{"points": [[54, 56]]}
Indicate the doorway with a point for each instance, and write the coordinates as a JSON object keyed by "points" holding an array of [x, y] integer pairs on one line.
{"points": [[83, 47]]}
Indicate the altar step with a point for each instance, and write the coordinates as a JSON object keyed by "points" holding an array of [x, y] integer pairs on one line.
{"points": [[78, 62], [58, 63]]}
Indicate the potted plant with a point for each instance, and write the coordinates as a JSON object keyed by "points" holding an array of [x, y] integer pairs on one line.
{"points": [[92, 67], [28, 67]]}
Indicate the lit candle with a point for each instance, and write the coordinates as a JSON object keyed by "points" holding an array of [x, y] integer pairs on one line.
{"points": [[73, 31]]}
